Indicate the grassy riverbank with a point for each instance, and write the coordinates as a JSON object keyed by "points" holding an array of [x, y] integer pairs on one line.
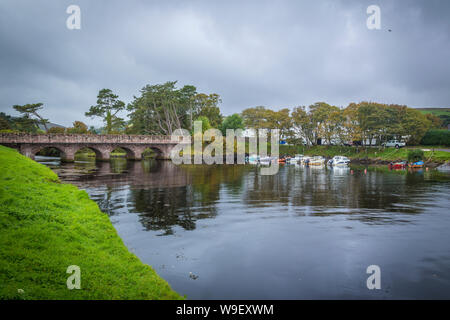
{"points": [[46, 226]]}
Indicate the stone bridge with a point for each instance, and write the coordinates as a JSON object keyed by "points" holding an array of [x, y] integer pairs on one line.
{"points": [[68, 144]]}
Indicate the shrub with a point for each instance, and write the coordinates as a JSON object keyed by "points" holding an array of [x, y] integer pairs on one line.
{"points": [[436, 137], [415, 155], [56, 130]]}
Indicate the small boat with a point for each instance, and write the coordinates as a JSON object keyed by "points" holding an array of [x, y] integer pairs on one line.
{"points": [[267, 160], [305, 161], [253, 159], [417, 164], [317, 161], [297, 159], [398, 165], [256, 159], [339, 161]]}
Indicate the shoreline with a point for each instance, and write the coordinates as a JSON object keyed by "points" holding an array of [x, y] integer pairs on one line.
{"points": [[47, 226]]}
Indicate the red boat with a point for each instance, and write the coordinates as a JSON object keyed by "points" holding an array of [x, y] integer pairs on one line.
{"points": [[397, 165]]}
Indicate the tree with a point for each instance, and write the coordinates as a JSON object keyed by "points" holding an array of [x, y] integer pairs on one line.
{"points": [[29, 110], [92, 130], [280, 120], [304, 126], [205, 123], [78, 128], [56, 130], [206, 106], [415, 125], [351, 126], [162, 108], [234, 122], [436, 122], [187, 98], [371, 119], [108, 105], [5, 122], [255, 118]]}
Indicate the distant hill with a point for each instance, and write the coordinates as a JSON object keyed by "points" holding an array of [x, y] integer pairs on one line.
{"points": [[443, 113], [50, 125]]}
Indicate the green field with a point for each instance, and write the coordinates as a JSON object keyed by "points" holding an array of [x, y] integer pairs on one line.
{"points": [[436, 111], [46, 226]]}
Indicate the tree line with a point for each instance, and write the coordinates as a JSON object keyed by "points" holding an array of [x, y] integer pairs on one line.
{"points": [[160, 109]]}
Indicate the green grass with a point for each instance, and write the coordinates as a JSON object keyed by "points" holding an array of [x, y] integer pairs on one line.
{"points": [[436, 111], [386, 154], [45, 226]]}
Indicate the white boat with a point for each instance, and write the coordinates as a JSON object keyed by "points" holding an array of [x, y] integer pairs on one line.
{"points": [[339, 161], [266, 160], [317, 161], [256, 159], [253, 159], [305, 160], [297, 159]]}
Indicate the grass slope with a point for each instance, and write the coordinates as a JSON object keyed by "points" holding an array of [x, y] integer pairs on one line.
{"points": [[45, 226]]}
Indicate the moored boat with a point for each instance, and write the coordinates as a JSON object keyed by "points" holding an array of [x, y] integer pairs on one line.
{"points": [[317, 161], [417, 164], [297, 159], [339, 161], [397, 165]]}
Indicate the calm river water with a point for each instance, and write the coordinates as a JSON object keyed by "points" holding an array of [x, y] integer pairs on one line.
{"points": [[226, 232]]}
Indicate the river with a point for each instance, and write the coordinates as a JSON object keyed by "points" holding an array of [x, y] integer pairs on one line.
{"points": [[227, 232]]}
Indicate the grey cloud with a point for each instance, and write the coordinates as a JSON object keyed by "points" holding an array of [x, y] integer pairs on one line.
{"points": [[273, 53]]}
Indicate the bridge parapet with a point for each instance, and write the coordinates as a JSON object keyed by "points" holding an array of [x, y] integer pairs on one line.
{"points": [[18, 138]]}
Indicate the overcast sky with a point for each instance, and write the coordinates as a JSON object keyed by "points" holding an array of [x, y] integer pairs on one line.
{"points": [[272, 53]]}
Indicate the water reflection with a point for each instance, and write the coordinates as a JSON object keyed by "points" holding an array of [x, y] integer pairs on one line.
{"points": [[165, 195], [302, 233]]}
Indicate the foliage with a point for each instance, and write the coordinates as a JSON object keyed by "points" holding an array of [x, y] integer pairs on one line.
{"points": [[414, 155], [383, 122], [78, 128], [29, 110], [205, 123], [233, 122], [436, 137], [442, 113], [260, 117], [163, 108], [5, 124], [207, 106], [46, 226], [436, 122], [56, 130], [107, 107]]}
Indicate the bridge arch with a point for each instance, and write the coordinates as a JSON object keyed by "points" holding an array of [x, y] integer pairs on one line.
{"points": [[131, 154], [40, 148], [99, 153], [158, 152]]}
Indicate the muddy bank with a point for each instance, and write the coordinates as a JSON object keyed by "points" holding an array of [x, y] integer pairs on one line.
{"points": [[367, 161]]}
